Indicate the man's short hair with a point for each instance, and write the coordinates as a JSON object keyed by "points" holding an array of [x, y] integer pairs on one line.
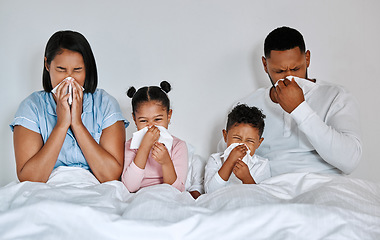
{"points": [[283, 38], [242, 113]]}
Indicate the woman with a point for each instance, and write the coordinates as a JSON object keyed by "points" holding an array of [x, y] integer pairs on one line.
{"points": [[48, 132]]}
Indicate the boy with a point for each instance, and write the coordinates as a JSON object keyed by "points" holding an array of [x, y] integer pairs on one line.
{"points": [[239, 164]]}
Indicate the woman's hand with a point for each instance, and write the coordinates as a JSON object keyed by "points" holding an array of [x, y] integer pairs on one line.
{"points": [[63, 109], [160, 154], [77, 104], [241, 171]]}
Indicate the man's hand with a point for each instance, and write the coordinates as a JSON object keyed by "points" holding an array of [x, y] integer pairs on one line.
{"points": [[241, 171], [289, 95]]}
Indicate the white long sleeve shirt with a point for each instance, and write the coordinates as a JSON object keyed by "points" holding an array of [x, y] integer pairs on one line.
{"points": [[320, 135], [258, 168]]}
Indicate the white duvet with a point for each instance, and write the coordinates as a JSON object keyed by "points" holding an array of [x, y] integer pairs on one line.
{"points": [[291, 206]]}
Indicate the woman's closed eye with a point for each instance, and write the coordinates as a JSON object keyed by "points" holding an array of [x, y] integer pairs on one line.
{"points": [[61, 69]]}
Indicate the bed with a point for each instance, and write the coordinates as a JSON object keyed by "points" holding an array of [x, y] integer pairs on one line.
{"points": [[72, 205]]}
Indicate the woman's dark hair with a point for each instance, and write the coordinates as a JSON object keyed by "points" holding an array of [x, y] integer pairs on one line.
{"points": [[283, 38], [150, 93], [76, 42], [242, 113]]}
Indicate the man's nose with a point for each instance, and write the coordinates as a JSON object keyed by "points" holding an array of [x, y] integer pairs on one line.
{"points": [[287, 73]]}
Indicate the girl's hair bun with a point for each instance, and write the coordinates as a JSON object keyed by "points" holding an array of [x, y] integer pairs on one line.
{"points": [[131, 92], [165, 86]]}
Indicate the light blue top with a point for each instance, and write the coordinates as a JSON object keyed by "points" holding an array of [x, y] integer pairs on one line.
{"points": [[37, 113]]}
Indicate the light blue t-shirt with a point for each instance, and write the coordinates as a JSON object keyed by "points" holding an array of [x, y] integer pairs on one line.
{"points": [[38, 113]]}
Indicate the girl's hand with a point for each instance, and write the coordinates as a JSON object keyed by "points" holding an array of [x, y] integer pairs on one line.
{"points": [[241, 171], [237, 153], [160, 154], [77, 104], [63, 109], [150, 137]]}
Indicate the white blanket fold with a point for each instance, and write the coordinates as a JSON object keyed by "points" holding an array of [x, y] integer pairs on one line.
{"points": [[289, 206]]}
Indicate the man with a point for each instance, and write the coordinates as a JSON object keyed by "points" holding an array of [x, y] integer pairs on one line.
{"points": [[311, 125]]}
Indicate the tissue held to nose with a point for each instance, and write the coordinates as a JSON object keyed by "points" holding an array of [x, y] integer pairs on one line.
{"points": [[234, 145], [165, 138], [69, 88]]}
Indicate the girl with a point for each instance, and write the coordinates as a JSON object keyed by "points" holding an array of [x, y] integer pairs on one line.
{"points": [[49, 132], [152, 163]]}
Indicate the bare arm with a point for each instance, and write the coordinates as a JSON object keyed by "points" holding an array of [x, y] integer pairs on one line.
{"points": [[34, 159], [169, 173], [106, 158]]}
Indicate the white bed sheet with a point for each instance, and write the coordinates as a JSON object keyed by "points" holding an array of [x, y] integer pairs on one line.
{"points": [[289, 206]]}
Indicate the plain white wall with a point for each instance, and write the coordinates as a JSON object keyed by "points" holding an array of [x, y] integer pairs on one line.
{"points": [[210, 51]]}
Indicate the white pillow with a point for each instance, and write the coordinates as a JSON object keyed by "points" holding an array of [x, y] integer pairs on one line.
{"points": [[196, 171]]}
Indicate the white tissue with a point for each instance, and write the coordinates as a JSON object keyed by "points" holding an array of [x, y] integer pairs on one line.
{"points": [[304, 84], [69, 89], [227, 152], [165, 138]]}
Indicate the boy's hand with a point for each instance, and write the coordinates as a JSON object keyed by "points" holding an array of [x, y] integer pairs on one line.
{"points": [[237, 153], [241, 171], [160, 154], [228, 166], [150, 137]]}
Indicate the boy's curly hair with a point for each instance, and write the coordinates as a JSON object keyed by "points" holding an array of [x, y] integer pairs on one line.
{"points": [[242, 113]]}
